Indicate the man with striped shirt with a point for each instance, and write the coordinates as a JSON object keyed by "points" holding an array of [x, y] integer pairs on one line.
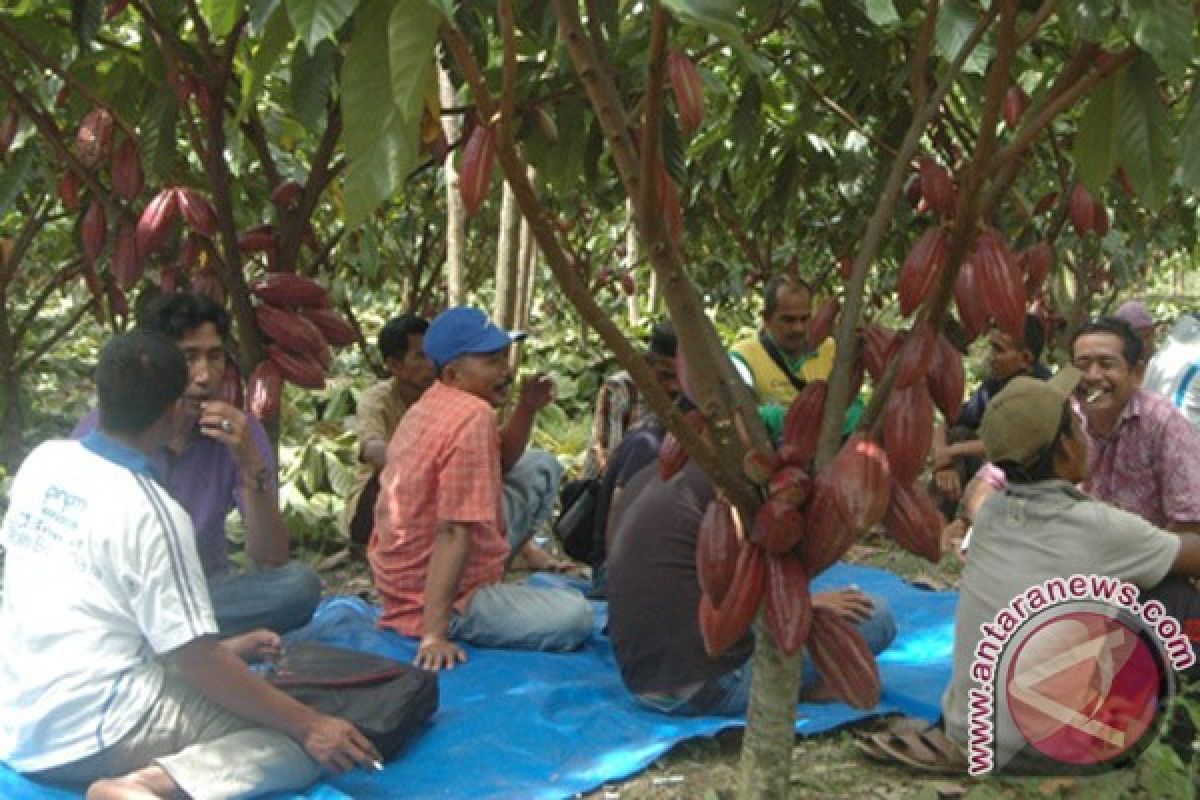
{"points": [[111, 671]]}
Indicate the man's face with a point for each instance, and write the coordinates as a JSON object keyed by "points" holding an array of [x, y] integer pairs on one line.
{"points": [[205, 353], [415, 370], [788, 324], [1005, 357], [1107, 376], [665, 370], [485, 375]]}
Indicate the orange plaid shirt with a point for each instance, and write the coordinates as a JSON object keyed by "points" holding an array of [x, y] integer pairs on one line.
{"points": [[443, 465]]}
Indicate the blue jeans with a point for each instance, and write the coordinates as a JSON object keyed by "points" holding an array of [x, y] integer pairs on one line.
{"points": [[729, 694], [280, 599], [511, 615], [530, 495]]}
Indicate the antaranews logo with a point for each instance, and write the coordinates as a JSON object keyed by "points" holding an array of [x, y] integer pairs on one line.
{"points": [[1070, 677]]}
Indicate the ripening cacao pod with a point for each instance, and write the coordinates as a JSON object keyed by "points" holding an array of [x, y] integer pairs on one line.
{"points": [[1003, 283], [914, 354], [671, 457], [92, 281], [937, 187], [669, 206], [729, 622], [292, 332], [1036, 262], [154, 226], [475, 172], [879, 347], [908, 431], [789, 603], [790, 485], [289, 289], [946, 380], [760, 465], [914, 523], [259, 239], [826, 535], [93, 142], [717, 548], [127, 177], [843, 659], [332, 325], [778, 526], [93, 230], [689, 91], [197, 212], [126, 266], [860, 475], [265, 390], [968, 296], [821, 324], [922, 268], [301, 370], [286, 193], [68, 190], [1082, 211], [802, 425], [1015, 101]]}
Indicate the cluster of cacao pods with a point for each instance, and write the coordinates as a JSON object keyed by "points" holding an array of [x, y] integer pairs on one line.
{"points": [[294, 314], [804, 525]]}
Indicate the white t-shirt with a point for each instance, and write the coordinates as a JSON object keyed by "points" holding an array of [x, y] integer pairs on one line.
{"points": [[1174, 372], [100, 577]]}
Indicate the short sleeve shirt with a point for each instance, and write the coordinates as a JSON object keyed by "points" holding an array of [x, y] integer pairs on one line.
{"points": [[101, 576], [379, 411], [443, 465]]}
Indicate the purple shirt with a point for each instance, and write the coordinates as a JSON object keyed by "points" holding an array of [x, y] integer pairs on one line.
{"points": [[206, 481]]}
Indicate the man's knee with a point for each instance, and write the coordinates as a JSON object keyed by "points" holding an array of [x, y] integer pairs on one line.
{"points": [[879, 629], [298, 591], [577, 621]]}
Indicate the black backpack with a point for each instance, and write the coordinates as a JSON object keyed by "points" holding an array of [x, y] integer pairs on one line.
{"points": [[387, 700]]}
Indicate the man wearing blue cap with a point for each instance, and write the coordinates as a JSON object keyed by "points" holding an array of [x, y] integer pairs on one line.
{"points": [[439, 549]]}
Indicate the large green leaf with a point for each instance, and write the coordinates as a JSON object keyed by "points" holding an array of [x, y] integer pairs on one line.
{"points": [[260, 12], [157, 132], [312, 79], [412, 33], [221, 14], [316, 19], [955, 22], [1143, 137], [275, 38], [1096, 138], [14, 177], [745, 118], [720, 18], [1189, 143], [1164, 29]]}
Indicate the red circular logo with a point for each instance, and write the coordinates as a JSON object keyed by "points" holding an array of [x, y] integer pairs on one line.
{"points": [[1083, 688]]}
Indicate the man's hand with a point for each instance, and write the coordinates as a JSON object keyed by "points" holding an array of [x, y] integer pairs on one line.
{"points": [[228, 425], [537, 391], [436, 652], [338, 746], [256, 646], [538, 559], [948, 484], [952, 538], [850, 604]]}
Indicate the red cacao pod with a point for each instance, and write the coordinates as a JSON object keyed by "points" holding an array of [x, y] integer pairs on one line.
{"points": [[265, 390], [1082, 211], [968, 296], [914, 523], [729, 622], [68, 190], [946, 380], [862, 479], [93, 142], [789, 604], [93, 230], [671, 457], [937, 187], [92, 281], [286, 193], [826, 534], [802, 425], [332, 325], [118, 303], [1003, 283], [821, 324], [790, 484], [778, 526], [1015, 102], [475, 172], [908, 431], [922, 268], [914, 354], [197, 212], [127, 177], [259, 239], [289, 289], [717, 548], [154, 226], [292, 332], [879, 347], [689, 91], [1045, 203], [1036, 263], [301, 370], [843, 659], [127, 267]]}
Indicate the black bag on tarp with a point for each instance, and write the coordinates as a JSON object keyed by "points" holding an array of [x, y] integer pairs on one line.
{"points": [[387, 700], [576, 525]]}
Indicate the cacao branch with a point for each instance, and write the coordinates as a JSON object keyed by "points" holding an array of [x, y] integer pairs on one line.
{"points": [[920, 57], [56, 336], [649, 221], [65, 273], [508, 80]]}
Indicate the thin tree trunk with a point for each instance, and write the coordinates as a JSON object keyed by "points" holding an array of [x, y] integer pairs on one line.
{"points": [[507, 246], [456, 215], [524, 292], [631, 261]]}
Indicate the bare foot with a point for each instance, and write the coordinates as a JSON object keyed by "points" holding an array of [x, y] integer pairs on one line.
{"points": [[147, 783], [256, 646]]}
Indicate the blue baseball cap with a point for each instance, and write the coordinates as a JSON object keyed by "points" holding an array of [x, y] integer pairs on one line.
{"points": [[464, 330]]}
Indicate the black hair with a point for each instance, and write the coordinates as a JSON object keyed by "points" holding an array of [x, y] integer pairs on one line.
{"points": [[393, 338], [777, 282], [662, 339], [176, 314], [1035, 336], [139, 375], [1131, 343], [1042, 466]]}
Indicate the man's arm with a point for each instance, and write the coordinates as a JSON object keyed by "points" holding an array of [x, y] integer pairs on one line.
{"points": [[371, 427], [537, 392], [220, 676], [451, 547], [1187, 561]]}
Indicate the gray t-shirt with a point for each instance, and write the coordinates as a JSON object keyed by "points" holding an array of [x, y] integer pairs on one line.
{"points": [[1025, 536]]}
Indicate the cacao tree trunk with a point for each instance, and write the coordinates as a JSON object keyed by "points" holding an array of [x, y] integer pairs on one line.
{"points": [[525, 260], [507, 247], [456, 215], [631, 260]]}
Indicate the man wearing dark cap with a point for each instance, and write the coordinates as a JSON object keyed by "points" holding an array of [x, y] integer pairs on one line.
{"points": [[438, 550]]}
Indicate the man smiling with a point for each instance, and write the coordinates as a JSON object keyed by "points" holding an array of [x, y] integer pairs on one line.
{"points": [[438, 550]]}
